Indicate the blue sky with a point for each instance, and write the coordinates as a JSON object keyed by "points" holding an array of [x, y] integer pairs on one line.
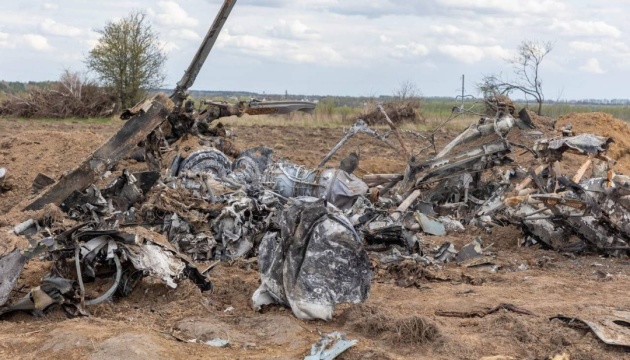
{"points": [[340, 47]]}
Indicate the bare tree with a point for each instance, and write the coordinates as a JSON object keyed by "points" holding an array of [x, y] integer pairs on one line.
{"points": [[128, 58], [526, 65], [407, 90]]}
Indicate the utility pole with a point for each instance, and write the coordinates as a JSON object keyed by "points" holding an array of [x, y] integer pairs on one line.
{"points": [[463, 85]]}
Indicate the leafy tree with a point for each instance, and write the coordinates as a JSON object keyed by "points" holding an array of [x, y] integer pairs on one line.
{"points": [[128, 58], [526, 66]]}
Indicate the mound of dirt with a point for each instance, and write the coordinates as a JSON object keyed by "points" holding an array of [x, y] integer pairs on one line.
{"points": [[543, 123], [604, 125]]}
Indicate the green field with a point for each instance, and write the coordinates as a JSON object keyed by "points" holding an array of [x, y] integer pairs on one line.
{"points": [[436, 108]]}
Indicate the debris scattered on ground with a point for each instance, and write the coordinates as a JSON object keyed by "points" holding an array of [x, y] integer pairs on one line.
{"points": [[330, 346], [318, 235], [482, 313], [610, 325]]}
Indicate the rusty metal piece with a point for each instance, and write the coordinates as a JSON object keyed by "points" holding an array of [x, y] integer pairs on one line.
{"points": [[374, 195]]}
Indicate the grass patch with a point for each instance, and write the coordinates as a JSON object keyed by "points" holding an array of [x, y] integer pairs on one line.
{"points": [[373, 322], [108, 120], [339, 120]]}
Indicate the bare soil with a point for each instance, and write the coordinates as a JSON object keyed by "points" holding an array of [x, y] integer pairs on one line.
{"points": [[398, 321], [604, 125]]}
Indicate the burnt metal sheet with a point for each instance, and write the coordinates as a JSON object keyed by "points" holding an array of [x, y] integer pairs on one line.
{"points": [[584, 143], [105, 157], [11, 266], [610, 325], [330, 346], [430, 225], [315, 262]]}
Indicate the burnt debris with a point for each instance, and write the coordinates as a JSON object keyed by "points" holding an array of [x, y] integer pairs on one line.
{"points": [[316, 232]]}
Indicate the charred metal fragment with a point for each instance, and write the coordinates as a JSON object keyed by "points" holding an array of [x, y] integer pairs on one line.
{"points": [[40, 182], [314, 263], [11, 266], [108, 155]]}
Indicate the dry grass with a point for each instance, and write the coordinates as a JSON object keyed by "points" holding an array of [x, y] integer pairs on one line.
{"points": [[373, 323], [339, 121]]}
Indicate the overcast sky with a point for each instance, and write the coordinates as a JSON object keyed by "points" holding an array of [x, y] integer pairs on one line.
{"points": [[340, 47]]}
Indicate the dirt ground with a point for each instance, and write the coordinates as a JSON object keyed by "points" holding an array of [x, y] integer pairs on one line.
{"points": [[398, 321]]}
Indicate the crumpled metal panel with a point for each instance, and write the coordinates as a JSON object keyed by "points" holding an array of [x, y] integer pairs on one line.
{"points": [[156, 261], [542, 229], [587, 144], [241, 220], [610, 325], [11, 266], [429, 225], [330, 346], [340, 188], [317, 261], [200, 247], [584, 143]]}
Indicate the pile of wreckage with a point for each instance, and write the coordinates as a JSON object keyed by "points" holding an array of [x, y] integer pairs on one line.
{"points": [[310, 228]]}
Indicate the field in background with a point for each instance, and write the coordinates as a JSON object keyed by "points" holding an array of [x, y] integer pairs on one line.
{"points": [[434, 108], [333, 112], [330, 114]]}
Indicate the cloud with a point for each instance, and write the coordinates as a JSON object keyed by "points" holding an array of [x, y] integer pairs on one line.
{"points": [[410, 50], [294, 29], [585, 46], [171, 15], [50, 26], [585, 28], [50, 6], [36, 42], [185, 34], [5, 41], [592, 66], [280, 50], [168, 46], [471, 54], [506, 6], [497, 52], [464, 53], [467, 36]]}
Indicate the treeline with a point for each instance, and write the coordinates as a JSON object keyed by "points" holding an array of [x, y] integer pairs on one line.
{"points": [[17, 87]]}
